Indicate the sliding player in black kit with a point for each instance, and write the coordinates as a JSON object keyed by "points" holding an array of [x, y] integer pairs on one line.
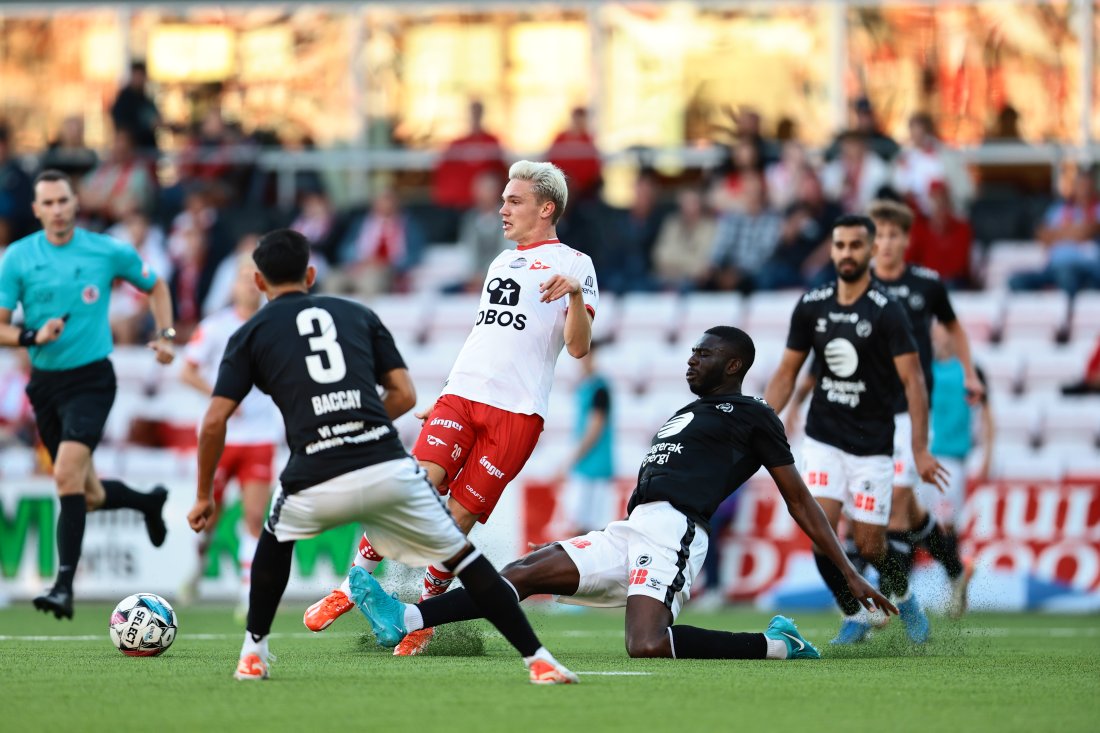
{"points": [[322, 360], [862, 343], [649, 561]]}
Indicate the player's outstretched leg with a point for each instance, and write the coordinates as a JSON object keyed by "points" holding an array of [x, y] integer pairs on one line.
{"points": [[321, 614], [70, 536], [856, 624], [943, 546], [436, 583], [118, 495], [270, 573], [893, 567], [781, 640]]}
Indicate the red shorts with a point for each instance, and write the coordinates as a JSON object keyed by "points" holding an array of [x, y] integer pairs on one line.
{"points": [[246, 463], [482, 447]]}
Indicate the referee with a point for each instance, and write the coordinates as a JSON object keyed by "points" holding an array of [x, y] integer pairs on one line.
{"points": [[62, 277]]}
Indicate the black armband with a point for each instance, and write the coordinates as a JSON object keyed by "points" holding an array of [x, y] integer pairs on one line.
{"points": [[27, 336]]}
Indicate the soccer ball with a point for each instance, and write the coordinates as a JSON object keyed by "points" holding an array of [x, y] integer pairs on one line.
{"points": [[143, 625]]}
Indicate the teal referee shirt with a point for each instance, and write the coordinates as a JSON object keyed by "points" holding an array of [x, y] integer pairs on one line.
{"points": [[75, 279]]}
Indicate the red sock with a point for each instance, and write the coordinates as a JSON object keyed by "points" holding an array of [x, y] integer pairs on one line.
{"points": [[366, 557], [436, 582]]}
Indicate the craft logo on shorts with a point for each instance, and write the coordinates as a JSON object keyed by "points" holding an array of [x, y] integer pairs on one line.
{"points": [[863, 329], [518, 263], [90, 294], [643, 560]]}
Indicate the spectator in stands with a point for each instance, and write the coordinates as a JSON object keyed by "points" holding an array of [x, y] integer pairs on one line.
{"points": [[1071, 234], [68, 153], [681, 256], [744, 241], [628, 237], [479, 151], [208, 155], [727, 190], [942, 241], [123, 179], [378, 250], [199, 239], [1090, 382], [16, 193], [129, 310], [799, 236], [817, 267], [480, 235], [190, 260], [575, 152], [316, 221], [135, 111], [866, 124], [783, 178], [857, 176], [1006, 128], [927, 160]]}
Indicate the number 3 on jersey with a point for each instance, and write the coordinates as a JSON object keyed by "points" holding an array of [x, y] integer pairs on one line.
{"points": [[318, 321]]}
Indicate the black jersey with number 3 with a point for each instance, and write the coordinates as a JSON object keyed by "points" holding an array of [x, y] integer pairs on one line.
{"points": [[709, 448], [320, 359], [857, 383], [923, 295]]}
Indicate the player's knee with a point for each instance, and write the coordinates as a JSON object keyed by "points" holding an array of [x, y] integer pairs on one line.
{"points": [[645, 646]]}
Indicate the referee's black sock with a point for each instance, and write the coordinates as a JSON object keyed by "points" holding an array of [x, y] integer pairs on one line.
{"points": [[70, 537], [833, 578], [496, 601], [270, 573], [691, 642], [943, 545], [894, 566]]}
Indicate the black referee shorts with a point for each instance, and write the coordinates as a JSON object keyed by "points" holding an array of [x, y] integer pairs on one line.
{"points": [[72, 404]]}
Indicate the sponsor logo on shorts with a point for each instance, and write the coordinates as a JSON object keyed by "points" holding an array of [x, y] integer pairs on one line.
{"points": [[90, 294], [643, 560], [490, 468], [866, 502], [579, 543], [432, 440], [817, 478], [654, 583], [451, 424], [638, 576]]}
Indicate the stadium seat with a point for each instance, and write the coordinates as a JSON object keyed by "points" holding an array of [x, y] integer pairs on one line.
{"points": [[648, 317], [1048, 367], [626, 363], [980, 313], [704, 310], [1017, 420], [667, 368], [1072, 421], [452, 317], [433, 361], [1003, 366], [769, 352], [1036, 315], [1027, 465], [768, 314], [441, 266], [1085, 319], [406, 316], [1006, 258], [606, 323]]}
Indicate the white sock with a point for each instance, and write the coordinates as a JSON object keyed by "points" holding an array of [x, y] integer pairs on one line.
{"points": [[777, 649], [345, 586], [414, 620], [540, 653], [254, 646], [860, 616], [246, 550], [361, 562]]}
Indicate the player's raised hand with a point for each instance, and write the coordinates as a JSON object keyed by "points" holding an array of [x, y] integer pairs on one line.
{"points": [[50, 331], [558, 286], [931, 471], [200, 514], [165, 351], [868, 596]]}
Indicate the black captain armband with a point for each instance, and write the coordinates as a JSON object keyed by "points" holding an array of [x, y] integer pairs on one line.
{"points": [[27, 336]]}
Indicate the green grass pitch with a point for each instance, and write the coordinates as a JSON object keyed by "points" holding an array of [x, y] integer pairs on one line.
{"points": [[1018, 672]]}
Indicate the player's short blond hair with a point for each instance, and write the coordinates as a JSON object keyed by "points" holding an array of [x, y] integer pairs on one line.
{"points": [[548, 183], [885, 211]]}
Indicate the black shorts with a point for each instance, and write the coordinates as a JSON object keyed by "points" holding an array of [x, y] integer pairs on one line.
{"points": [[72, 404]]}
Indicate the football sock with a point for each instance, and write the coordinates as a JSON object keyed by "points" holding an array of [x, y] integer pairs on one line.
{"points": [[70, 537], [121, 496], [893, 569], [366, 557], [921, 533], [692, 642], [270, 573], [436, 582], [943, 544], [448, 608], [496, 601], [246, 550], [833, 578], [854, 557], [255, 644]]}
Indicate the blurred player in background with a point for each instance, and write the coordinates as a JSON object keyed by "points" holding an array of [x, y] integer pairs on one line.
{"points": [[537, 298], [62, 276], [332, 369], [862, 343], [648, 562], [251, 433]]}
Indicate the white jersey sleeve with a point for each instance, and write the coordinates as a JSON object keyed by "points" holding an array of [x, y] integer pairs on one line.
{"points": [[508, 358], [256, 420]]}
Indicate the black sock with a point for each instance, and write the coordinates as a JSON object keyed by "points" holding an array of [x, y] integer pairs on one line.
{"points": [[919, 535], [497, 602], [943, 545], [447, 608], [854, 557], [70, 537], [270, 573], [691, 642], [833, 578], [894, 566], [121, 496]]}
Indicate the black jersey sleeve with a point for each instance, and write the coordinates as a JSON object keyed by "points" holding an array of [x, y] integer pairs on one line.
{"points": [[235, 371], [769, 440], [601, 400], [800, 337], [899, 331], [386, 355], [940, 303]]}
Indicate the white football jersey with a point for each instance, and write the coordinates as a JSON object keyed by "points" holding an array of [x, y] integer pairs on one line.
{"points": [[256, 420], [508, 358]]}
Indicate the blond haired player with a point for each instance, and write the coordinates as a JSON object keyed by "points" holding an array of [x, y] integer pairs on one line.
{"points": [[537, 297], [251, 433]]}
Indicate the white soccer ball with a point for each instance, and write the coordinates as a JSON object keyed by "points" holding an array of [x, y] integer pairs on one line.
{"points": [[143, 625]]}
